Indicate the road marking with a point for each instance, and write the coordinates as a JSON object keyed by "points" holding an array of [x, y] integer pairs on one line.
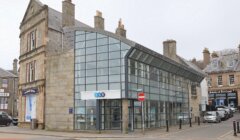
{"points": [[224, 135]]}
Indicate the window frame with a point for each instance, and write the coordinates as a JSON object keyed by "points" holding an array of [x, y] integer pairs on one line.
{"points": [[219, 80]]}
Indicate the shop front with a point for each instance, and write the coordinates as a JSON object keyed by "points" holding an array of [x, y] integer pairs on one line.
{"points": [[225, 98]]}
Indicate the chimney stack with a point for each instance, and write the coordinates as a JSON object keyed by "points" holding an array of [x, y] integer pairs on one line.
{"points": [[169, 49], [99, 20], [68, 13], [214, 54], [120, 29], [206, 57], [15, 61]]}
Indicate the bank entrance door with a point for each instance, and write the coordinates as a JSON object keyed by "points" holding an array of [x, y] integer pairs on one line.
{"points": [[111, 113]]}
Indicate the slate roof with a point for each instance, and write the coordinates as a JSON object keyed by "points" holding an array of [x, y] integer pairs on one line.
{"points": [[227, 61], [5, 73], [55, 20], [193, 66]]}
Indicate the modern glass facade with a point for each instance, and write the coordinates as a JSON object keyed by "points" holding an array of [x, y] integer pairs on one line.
{"points": [[99, 66], [108, 70]]}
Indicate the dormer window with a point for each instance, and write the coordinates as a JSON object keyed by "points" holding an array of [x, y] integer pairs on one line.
{"points": [[230, 63], [215, 63]]}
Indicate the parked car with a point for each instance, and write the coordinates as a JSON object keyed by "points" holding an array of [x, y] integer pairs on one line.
{"points": [[5, 120], [223, 114], [230, 113], [211, 116]]}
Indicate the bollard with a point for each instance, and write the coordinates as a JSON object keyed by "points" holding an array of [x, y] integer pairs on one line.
{"points": [[167, 125], [238, 131], [180, 124], [234, 129], [198, 120], [190, 122]]}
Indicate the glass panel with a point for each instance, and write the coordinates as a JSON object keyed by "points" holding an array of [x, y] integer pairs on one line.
{"points": [[91, 65], [80, 38], [91, 58], [91, 43], [114, 78], [91, 50], [79, 102], [80, 32], [102, 56], [91, 87], [102, 64], [90, 80], [102, 41], [113, 40], [114, 47], [80, 73], [123, 53], [80, 45], [80, 51], [101, 49], [124, 46], [80, 110], [102, 86], [81, 66], [102, 79], [91, 72], [90, 36], [82, 59], [100, 36], [115, 62], [114, 86], [103, 71], [81, 80], [114, 70], [114, 55]]}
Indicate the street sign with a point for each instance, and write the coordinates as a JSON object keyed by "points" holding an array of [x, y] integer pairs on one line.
{"points": [[141, 96]]}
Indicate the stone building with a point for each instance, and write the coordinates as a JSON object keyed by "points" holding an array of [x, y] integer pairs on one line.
{"points": [[223, 77], [77, 77], [8, 90]]}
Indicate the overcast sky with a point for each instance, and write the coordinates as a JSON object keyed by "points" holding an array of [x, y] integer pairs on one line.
{"points": [[194, 24]]}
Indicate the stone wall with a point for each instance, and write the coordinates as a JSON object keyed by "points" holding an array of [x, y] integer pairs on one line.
{"points": [[59, 91]]}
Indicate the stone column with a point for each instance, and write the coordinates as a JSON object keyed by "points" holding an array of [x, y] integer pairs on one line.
{"points": [[125, 116]]}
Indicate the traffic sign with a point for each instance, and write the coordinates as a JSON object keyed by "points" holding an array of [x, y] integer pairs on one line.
{"points": [[141, 96]]}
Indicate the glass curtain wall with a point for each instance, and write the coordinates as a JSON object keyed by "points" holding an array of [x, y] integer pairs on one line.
{"points": [[166, 94], [99, 65]]}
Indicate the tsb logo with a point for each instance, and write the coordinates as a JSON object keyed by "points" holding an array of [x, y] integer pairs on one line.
{"points": [[99, 94]]}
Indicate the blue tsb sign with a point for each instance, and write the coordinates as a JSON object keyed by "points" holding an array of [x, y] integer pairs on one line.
{"points": [[99, 94]]}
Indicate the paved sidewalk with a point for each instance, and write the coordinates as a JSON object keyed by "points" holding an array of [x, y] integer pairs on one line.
{"points": [[105, 134], [154, 133]]}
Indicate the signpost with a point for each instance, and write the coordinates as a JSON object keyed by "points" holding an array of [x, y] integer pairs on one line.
{"points": [[141, 98]]}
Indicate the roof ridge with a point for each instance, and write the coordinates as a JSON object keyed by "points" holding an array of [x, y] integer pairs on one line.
{"points": [[13, 75]]}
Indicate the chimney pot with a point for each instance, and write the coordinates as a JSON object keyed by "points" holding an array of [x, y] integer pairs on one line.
{"points": [[206, 57], [120, 29], [99, 20]]}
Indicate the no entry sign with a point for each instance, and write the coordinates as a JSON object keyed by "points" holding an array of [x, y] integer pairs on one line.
{"points": [[141, 96]]}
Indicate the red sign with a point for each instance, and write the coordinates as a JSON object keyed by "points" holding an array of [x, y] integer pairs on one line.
{"points": [[141, 96]]}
